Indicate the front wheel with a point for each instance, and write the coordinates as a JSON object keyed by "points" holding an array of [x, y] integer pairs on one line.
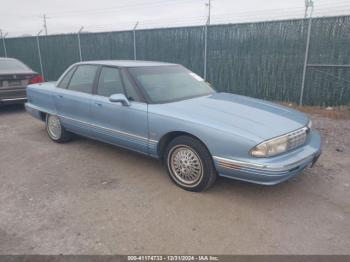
{"points": [[189, 164], [55, 130]]}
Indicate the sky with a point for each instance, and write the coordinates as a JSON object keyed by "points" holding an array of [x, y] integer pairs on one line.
{"points": [[23, 17]]}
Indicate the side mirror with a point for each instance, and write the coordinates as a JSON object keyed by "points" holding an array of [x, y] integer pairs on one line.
{"points": [[119, 98]]}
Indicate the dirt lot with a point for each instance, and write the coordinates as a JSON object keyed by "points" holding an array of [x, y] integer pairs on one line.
{"points": [[87, 197]]}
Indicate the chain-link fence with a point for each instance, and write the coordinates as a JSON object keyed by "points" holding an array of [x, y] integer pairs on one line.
{"points": [[262, 59]]}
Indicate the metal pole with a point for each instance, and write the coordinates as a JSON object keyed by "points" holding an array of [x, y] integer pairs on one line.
{"points": [[306, 56], [306, 8], [39, 54], [209, 11], [206, 40], [205, 51], [134, 35], [209, 7], [3, 42], [79, 44], [45, 25]]}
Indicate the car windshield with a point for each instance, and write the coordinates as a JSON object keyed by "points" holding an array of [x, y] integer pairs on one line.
{"points": [[170, 83], [8, 65]]}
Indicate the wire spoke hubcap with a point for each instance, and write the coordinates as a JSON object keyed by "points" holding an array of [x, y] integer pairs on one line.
{"points": [[54, 127], [186, 165]]}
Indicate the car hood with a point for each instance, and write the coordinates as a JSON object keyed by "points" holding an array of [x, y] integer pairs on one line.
{"points": [[252, 118]]}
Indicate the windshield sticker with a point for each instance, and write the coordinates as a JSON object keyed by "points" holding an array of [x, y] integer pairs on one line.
{"points": [[197, 77]]}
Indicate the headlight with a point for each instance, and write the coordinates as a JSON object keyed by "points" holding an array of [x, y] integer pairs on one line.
{"points": [[309, 125], [271, 148]]}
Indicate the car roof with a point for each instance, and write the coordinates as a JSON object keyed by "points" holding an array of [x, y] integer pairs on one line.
{"points": [[8, 58], [126, 63]]}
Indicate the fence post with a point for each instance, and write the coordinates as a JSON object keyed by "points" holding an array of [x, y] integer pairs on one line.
{"points": [[306, 56], [205, 49], [134, 36], [79, 44], [39, 54], [3, 42]]}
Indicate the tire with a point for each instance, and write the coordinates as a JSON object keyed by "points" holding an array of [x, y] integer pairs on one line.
{"points": [[189, 164], [55, 130]]}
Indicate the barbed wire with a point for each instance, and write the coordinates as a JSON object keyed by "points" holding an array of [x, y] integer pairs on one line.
{"points": [[322, 9]]}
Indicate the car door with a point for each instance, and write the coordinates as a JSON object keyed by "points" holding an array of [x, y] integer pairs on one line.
{"points": [[73, 98], [115, 123]]}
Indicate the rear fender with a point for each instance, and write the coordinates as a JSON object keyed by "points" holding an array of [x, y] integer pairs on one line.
{"points": [[42, 97]]}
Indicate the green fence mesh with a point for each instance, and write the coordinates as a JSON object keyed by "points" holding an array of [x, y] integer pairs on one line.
{"points": [[58, 52], [111, 45], [263, 59], [25, 49], [177, 45], [330, 44]]}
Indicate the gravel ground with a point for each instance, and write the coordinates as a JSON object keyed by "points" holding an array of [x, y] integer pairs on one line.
{"points": [[86, 197]]}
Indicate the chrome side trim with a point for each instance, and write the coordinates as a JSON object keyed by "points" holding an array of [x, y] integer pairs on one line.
{"points": [[110, 129], [13, 99], [236, 164], [151, 141]]}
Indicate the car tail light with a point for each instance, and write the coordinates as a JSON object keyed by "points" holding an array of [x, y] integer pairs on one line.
{"points": [[36, 79]]}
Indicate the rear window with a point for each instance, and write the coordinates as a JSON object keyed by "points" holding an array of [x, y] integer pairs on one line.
{"points": [[83, 78], [8, 65], [65, 81]]}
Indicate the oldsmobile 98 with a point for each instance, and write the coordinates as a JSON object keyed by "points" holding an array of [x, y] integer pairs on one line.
{"points": [[168, 112]]}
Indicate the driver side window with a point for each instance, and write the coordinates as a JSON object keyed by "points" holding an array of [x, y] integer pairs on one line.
{"points": [[110, 82]]}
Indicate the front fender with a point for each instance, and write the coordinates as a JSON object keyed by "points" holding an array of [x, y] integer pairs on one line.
{"points": [[217, 141]]}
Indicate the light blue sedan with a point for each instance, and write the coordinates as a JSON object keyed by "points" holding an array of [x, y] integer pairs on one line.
{"points": [[168, 112]]}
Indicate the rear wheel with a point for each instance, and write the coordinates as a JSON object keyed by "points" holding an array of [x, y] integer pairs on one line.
{"points": [[189, 164], [55, 130]]}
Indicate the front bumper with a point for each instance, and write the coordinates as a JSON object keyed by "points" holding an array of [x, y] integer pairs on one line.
{"points": [[273, 170]]}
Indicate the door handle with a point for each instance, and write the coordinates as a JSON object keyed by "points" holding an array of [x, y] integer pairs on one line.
{"points": [[98, 104], [60, 96]]}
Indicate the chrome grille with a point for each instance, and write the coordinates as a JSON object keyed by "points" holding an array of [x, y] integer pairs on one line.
{"points": [[297, 138]]}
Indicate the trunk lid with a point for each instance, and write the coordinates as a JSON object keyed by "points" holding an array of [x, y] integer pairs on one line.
{"points": [[15, 80]]}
